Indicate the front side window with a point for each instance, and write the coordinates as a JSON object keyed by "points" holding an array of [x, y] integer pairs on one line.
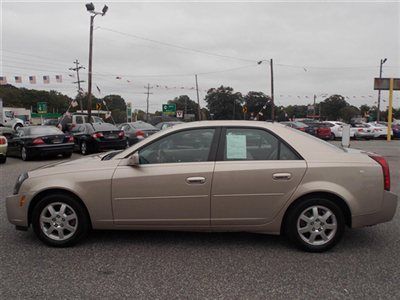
{"points": [[184, 146], [255, 144]]}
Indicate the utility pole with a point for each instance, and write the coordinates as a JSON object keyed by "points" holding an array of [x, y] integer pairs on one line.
{"points": [[198, 98], [147, 101], [314, 112], [378, 114], [234, 108], [76, 69], [272, 92]]}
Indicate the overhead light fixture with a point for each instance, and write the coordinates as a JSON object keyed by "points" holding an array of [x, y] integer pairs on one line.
{"points": [[105, 9], [90, 7]]}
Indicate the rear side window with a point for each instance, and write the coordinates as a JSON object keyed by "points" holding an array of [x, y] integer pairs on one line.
{"points": [[254, 144]]}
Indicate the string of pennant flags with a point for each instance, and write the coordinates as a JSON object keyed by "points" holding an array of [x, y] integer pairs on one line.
{"points": [[32, 79], [46, 79]]}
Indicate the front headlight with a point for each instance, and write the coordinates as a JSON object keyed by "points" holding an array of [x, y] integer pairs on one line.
{"points": [[20, 180]]}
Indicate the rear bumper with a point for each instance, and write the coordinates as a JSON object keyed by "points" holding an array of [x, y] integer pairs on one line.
{"points": [[107, 145], [51, 149], [385, 214]]}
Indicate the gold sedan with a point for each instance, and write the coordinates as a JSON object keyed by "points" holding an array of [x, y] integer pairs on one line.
{"points": [[210, 176]]}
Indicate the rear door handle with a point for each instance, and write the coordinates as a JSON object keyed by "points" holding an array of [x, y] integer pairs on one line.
{"points": [[282, 176], [195, 180]]}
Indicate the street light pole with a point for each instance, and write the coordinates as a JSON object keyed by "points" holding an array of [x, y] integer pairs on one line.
{"points": [[90, 70], [271, 66], [90, 9], [378, 114]]}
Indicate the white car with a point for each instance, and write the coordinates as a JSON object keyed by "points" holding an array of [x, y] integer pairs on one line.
{"points": [[380, 130], [337, 129]]}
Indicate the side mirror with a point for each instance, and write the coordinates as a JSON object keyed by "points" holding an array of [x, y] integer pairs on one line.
{"points": [[134, 160]]}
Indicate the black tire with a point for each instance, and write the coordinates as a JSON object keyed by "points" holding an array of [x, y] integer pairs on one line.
{"points": [[25, 155], [82, 226], [333, 137], [67, 154], [3, 159], [84, 148], [292, 220]]}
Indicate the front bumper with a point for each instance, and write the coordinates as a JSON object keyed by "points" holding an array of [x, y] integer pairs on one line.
{"points": [[17, 210], [385, 214]]}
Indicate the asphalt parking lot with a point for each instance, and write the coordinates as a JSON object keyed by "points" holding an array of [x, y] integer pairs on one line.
{"points": [[108, 264]]}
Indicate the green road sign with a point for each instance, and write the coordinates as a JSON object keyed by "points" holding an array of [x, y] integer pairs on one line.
{"points": [[169, 109], [42, 107]]}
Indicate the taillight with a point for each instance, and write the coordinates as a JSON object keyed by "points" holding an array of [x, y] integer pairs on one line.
{"points": [[97, 135], [38, 141], [71, 139], [385, 168], [3, 141], [301, 129], [139, 133], [360, 130], [121, 134]]}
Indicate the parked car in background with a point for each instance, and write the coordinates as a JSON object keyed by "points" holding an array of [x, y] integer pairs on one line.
{"points": [[3, 149], [363, 131], [137, 131], [212, 176], [320, 130], [96, 137], [68, 121], [396, 131], [38, 141], [380, 129], [337, 129], [50, 122], [164, 125]]}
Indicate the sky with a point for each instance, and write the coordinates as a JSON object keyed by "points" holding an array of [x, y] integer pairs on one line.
{"points": [[318, 48]]}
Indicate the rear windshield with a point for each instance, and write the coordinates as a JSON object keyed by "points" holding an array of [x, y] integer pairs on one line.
{"points": [[44, 130], [143, 125], [104, 126]]}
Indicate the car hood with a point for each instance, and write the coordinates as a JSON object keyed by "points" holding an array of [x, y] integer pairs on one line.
{"points": [[87, 163]]}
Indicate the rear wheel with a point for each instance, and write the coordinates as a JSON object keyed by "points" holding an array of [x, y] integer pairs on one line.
{"points": [[25, 155], [3, 159], [315, 224], [60, 220], [333, 137]]}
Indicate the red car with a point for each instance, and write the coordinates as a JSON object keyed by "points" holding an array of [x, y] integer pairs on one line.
{"points": [[321, 130]]}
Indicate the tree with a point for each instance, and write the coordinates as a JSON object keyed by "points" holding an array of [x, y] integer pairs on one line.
{"points": [[349, 112], [296, 111], [330, 107], [255, 102], [224, 104], [185, 104]]}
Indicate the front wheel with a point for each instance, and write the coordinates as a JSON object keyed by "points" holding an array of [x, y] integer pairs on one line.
{"points": [[59, 220], [315, 225], [84, 148]]}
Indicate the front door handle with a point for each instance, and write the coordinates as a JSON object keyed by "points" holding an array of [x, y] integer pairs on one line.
{"points": [[195, 180], [282, 176]]}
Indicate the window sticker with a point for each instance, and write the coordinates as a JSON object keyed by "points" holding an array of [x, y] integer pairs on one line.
{"points": [[236, 146]]}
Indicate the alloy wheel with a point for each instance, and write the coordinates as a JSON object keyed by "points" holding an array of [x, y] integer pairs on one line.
{"points": [[58, 221], [317, 225]]}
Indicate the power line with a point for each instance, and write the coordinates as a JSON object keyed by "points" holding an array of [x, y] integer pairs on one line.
{"points": [[175, 46], [76, 69]]}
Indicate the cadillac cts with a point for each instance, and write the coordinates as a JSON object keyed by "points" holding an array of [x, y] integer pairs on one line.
{"points": [[210, 176]]}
